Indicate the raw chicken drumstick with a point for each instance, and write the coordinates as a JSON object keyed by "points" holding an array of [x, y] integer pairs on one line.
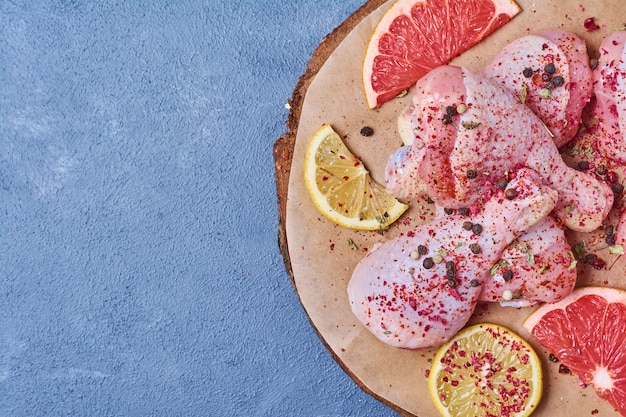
{"points": [[469, 132], [610, 91], [536, 267], [550, 73], [418, 290]]}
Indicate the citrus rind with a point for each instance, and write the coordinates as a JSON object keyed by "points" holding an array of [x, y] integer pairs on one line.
{"points": [[342, 189], [486, 369]]}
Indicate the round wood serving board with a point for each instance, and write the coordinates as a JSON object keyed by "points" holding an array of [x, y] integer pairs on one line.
{"points": [[317, 254]]}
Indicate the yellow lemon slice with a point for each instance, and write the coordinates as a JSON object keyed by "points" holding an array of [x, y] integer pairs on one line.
{"points": [[342, 189], [486, 370]]}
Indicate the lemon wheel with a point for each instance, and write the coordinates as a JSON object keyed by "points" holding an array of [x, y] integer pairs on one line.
{"points": [[486, 370]]}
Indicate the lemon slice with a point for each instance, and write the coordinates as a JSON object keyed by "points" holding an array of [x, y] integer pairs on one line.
{"points": [[342, 189], [486, 370]]}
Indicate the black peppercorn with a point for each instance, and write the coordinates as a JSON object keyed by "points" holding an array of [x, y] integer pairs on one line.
{"points": [[558, 81], [451, 111], [502, 183], [474, 283], [477, 229], [448, 210], [528, 72], [428, 263], [471, 174], [601, 170], [475, 248], [422, 250], [452, 283], [583, 165], [467, 225], [550, 69], [507, 275], [617, 188], [464, 211], [367, 131], [546, 77]]}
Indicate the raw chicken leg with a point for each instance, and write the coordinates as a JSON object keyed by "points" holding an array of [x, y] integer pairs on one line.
{"points": [[418, 290], [553, 63], [610, 90], [536, 267], [457, 155]]}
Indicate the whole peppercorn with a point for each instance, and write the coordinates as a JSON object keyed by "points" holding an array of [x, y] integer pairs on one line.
{"points": [[428, 263], [590, 258], [610, 240], [550, 69], [583, 165], [367, 131], [474, 283], [451, 111], [507, 275], [528, 72], [617, 188], [448, 210], [475, 248], [609, 230], [601, 170], [422, 250], [471, 174], [449, 265], [502, 183], [546, 77], [467, 225], [477, 229], [451, 273], [464, 211], [510, 194], [558, 81], [452, 283]]}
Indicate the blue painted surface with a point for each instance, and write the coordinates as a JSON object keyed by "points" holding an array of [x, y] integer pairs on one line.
{"points": [[139, 270]]}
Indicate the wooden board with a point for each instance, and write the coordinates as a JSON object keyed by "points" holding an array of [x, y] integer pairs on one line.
{"points": [[315, 252]]}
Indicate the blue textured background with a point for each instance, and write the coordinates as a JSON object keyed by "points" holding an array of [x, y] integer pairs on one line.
{"points": [[139, 270]]}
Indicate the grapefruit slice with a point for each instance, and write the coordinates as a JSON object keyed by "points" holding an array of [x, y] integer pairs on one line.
{"points": [[587, 332], [415, 36]]}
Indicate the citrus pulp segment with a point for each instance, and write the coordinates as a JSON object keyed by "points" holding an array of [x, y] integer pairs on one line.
{"points": [[415, 36], [587, 332], [341, 187], [486, 370]]}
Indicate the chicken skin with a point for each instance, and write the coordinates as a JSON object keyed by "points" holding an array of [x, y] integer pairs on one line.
{"points": [[468, 132], [549, 72], [419, 289]]}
